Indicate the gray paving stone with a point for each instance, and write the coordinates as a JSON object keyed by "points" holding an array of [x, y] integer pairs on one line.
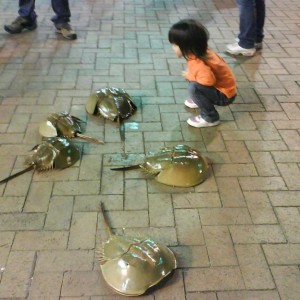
{"points": [[287, 279], [214, 278], [17, 276], [219, 246]]}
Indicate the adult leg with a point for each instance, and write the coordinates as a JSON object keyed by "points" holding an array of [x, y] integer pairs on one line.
{"points": [[247, 35], [62, 11], [26, 9], [62, 19], [26, 19], [260, 20]]}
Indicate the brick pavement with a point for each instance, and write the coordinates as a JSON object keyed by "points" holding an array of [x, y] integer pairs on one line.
{"points": [[236, 236]]}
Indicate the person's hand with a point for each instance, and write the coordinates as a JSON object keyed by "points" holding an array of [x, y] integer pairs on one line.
{"points": [[184, 73]]}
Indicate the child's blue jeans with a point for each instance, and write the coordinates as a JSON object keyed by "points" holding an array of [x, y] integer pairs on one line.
{"points": [[206, 97], [60, 7]]}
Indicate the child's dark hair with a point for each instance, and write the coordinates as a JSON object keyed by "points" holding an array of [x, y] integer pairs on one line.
{"points": [[191, 37]]}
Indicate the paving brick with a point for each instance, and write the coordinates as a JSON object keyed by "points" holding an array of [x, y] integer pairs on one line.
{"points": [[76, 188], [125, 219], [219, 246], [59, 213], [164, 235], [234, 170], [289, 218], [266, 145], [214, 278], [230, 192], [64, 260], [264, 164], [256, 234], [136, 195], [16, 279], [284, 198], [160, 210], [46, 286], [291, 138], [249, 295], [212, 139], [262, 183], [201, 296], [254, 267], [84, 283], [40, 240], [173, 289], [21, 221], [38, 196], [90, 167], [188, 227], [290, 172], [196, 200], [260, 208], [6, 240], [287, 281], [191, 256], [83, 230], [282, 254], [224, 216], [11, 204]]}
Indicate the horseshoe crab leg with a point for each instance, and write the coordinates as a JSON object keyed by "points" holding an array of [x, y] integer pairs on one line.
{"points": [[17, 174]]}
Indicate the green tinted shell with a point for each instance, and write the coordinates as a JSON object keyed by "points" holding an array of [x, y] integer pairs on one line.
{"points": [[179, 166], [56, 152], [111, 103], [131, 265]]}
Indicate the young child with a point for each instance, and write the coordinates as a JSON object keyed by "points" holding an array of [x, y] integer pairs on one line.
{"points": [[211, 82]]}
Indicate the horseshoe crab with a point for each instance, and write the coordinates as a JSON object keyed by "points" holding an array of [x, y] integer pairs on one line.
{"points": [[111, 103], [65, 125], [179, 166], [131, 265], [53, 153]]}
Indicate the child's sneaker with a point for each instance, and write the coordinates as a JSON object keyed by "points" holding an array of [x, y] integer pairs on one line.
{"points": [[200, 122], [190, 103]]}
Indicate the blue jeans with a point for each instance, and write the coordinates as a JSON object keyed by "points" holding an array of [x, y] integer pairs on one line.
{"points": [[60, 7], [206, 97], [252, 19]]}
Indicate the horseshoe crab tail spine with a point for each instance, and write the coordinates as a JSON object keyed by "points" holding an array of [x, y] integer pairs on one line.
{"points": [[108, 228], [121, 129], [88, 138], [126, 168], [31, 167]]}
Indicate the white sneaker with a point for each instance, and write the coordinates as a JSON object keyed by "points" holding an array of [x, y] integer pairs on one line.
{"points": [[257, 46], [190, 103], [236, 49], [200, 122]]}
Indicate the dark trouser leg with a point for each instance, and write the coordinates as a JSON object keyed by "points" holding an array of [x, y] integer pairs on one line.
{"points": [[260, 20], [62, 11], [247, 35], [26, 9], [206, 97]]}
